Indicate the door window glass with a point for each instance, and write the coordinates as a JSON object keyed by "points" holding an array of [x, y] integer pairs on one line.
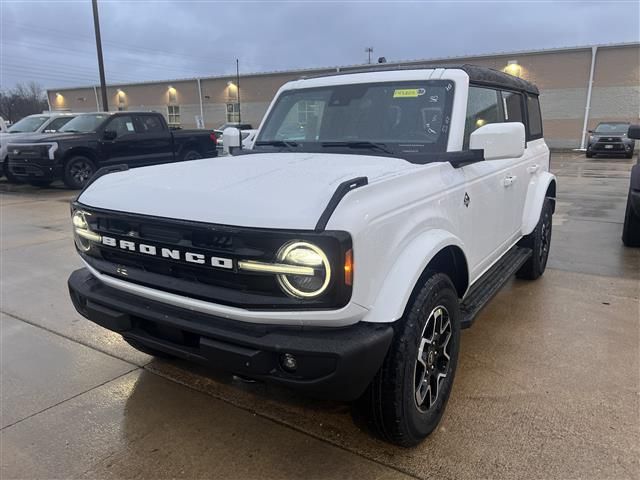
{"points": [[150, 124], [121, 125], [512, 103], [482, 109], [535, 118]]}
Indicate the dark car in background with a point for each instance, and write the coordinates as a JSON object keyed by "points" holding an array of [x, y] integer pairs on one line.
{"points": [[94, 140], [610, 138]]}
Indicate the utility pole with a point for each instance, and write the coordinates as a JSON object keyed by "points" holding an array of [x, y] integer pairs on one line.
{"points": [[238, 88], [369, 51], [103, 86]]}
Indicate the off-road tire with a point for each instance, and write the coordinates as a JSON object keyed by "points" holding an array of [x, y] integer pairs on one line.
{"points": [[539, 241], [11, 178], [389, 406], [78, 171], [191, 155], [148, 350], [631, 227]]}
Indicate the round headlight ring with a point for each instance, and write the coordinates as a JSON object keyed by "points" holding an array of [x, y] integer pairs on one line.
{"points": [[283, 279]]}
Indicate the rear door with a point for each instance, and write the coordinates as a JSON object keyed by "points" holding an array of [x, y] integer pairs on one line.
{"points": [[516, 179], [154, 140]]}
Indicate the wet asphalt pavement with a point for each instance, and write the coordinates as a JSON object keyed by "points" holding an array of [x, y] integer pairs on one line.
{"points": [[548, 382]]}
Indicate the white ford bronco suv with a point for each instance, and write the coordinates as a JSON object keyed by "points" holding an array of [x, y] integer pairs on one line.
{"points": [[376, 214]]}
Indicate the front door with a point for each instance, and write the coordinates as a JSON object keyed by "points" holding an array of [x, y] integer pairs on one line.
{"points": [[118, 141], [155, 142]]}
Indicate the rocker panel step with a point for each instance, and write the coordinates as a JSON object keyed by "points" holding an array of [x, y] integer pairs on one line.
{"points": [[485, 288]]}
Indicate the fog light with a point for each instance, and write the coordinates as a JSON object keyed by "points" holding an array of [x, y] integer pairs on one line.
{"points": [[288, 362]]}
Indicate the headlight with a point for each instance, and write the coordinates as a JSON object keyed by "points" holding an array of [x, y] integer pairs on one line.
{"points": [[82, 234], [314, 282]]}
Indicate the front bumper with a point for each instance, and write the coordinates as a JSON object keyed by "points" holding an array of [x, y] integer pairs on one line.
{"points": [[335, 363], [34, 168], [610, 147]]}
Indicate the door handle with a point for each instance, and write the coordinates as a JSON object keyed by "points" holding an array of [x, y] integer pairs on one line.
{"points": [[508, 180], [533, 168]]}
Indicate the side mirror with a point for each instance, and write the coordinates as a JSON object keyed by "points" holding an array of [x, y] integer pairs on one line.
{"points": [[634, 132], [499, 140], [110, 135], [589, 131], [230, 139]]}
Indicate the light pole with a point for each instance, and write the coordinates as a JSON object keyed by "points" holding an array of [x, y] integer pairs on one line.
{"points": [[369, 51], [103, 86], [238, 88]]}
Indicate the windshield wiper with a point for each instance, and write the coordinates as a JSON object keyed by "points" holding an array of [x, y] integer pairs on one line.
{"points": [[277, 143], [381, 147]]}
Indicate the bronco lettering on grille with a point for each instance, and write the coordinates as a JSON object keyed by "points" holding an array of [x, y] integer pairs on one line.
{"points": [[173, 254]]}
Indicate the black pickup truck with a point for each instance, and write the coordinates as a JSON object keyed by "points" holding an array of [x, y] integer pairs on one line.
{"points": [[94, 140]]}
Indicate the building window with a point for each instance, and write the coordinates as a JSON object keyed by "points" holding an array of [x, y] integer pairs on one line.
{"points": [[233, 112], [308, 109], [173, 116]]}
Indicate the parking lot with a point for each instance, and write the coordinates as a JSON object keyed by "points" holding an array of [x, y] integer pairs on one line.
{"points": [[547, 384]]}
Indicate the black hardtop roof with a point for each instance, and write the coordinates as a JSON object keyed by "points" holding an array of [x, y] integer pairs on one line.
{"points": [[477, 75]]}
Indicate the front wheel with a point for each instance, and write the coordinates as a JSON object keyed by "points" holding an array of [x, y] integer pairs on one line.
{"points": [[631, 228], [77, 172], [539, 241], [407, 398]]}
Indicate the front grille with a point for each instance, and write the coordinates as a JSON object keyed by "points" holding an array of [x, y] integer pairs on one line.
{"points": [[221, 285]]}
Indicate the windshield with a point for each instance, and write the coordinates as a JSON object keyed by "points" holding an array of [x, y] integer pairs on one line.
{"points": [[612, 128], [393, 118], [28, 124], [85, 123]]}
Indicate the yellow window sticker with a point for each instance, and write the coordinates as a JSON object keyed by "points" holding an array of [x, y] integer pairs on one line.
{"points": [[408, 92]]}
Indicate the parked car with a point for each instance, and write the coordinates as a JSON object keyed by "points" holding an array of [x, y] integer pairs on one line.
{"points": [[48, 122], [610, 138], [95, 140], [343, 264], [219, 131], [631, 227]]}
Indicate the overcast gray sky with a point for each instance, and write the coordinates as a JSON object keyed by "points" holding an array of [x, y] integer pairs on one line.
{"points": [[53, 42]]}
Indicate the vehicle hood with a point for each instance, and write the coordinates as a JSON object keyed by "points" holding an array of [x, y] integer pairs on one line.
{"points": [[7, 138], [267, 190], [44, 137]]}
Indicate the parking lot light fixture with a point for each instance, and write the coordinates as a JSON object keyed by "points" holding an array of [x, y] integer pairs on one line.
{"points": [[513, 68]]}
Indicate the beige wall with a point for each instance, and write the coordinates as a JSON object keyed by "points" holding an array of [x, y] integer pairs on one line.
{"points": [[562, 77]]}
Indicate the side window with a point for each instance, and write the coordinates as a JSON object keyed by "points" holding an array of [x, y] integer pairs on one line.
{"points": [[535, 118], [121, 125], [482, 108], [512, 104], [150, 124], [56, 124]]}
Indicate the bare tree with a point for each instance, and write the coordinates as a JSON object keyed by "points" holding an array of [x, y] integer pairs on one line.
{"points": [[22, 100]]}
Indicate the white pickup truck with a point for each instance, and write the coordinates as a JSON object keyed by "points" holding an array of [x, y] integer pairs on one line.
{"points": [[375, 215]]}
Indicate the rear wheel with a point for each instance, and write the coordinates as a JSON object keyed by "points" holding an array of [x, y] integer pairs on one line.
{"points": [[78, 171], [539, 241], [631, 228], [407, 398], [191, 155], [11, 178]]}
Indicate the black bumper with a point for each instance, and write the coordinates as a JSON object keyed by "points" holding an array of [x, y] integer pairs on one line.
{"points": [[335, 363], [610, 147], [35, 169]]}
